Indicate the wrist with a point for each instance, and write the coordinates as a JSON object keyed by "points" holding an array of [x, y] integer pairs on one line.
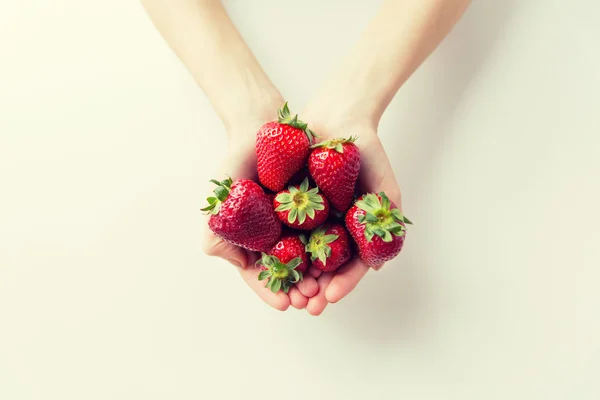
{"points": [[244, 121], [327, 114]]}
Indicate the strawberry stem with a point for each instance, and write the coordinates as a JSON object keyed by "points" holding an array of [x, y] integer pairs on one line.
{"points": [[221, 193], [380, 219], [284, 116], [318, 245], [279, 276], [336, 144], [302, 202]]}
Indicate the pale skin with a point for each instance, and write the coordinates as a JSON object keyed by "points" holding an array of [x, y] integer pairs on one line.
{"points": [[395, 43]]}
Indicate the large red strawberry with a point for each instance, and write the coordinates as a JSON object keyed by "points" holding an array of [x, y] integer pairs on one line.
{"points": [[329, 247], [242, 214], [282, 148], [285, 263], [378, 228], [301, 207], [334, 165]]}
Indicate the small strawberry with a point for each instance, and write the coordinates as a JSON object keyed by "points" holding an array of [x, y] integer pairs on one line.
{"points": [[329, 247], [279, 275], [378, 228], [282, 148], [242, 214], [300, 207], [290, 246], [334, 165]]}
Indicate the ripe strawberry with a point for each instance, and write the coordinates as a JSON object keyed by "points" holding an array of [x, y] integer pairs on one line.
{"points": [[301, 208], [334, 165], [329, 247], [290, 246], [282, 148], [242, 214], [378, 228], [281, 275]]}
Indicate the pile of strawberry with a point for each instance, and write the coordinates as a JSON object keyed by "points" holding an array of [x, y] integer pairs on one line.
{"points": [[307, 211]]}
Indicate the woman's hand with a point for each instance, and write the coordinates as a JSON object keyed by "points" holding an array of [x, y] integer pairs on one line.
{"points": [[240, 162], [376, 175]]}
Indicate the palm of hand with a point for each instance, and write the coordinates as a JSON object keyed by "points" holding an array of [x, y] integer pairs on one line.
{"points": [[240, 162], [376, 175]]}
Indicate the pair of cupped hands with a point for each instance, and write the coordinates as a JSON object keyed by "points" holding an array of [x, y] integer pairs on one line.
{"points": [[317, 289]]}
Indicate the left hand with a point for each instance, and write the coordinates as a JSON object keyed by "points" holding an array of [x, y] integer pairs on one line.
{"points": [[376, 175]]}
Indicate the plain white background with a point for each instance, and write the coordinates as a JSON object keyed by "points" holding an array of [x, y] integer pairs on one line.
{"points": [[106, 145]]}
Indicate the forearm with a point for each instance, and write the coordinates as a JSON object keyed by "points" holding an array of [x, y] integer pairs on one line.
{"points": [[395, 43], [205, 39]]}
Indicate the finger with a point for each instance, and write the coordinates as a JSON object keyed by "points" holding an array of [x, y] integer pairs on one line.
{"points": [[214, 246], [279, 300], [314, 272], [377, 267], [376, 173], [308, 286], [317, 304], [345, 279], [297, 299], [251, 258]]}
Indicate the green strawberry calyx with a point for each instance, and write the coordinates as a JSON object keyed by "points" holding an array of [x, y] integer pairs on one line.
{"points": [[284, 116], [379, 219], [221, 193], [336, 144], [279, 276], [318, 245], [302, 202]]}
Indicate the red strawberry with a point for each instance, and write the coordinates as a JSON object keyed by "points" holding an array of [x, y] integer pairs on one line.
{"points": [[285, 269], [334, 165], [282, 148], [243, 215], [300, 207], [378, 228], [329, 247], [290, 246]]}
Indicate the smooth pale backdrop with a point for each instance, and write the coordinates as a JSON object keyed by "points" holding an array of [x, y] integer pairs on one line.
{"points": [[106, 146]]}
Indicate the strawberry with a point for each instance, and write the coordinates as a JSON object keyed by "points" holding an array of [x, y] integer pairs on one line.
{"points": [[334, 165], [300, 207], [282, 148], [242, 214], [378, 228], [290, 246], [329, 247], [280, 275]]}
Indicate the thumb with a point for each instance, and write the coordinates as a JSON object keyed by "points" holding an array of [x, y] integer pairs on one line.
{"points": [[376, 173], [216, 247]]}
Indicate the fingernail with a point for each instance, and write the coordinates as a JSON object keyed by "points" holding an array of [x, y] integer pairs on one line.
{"points": [[235, 263]]}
